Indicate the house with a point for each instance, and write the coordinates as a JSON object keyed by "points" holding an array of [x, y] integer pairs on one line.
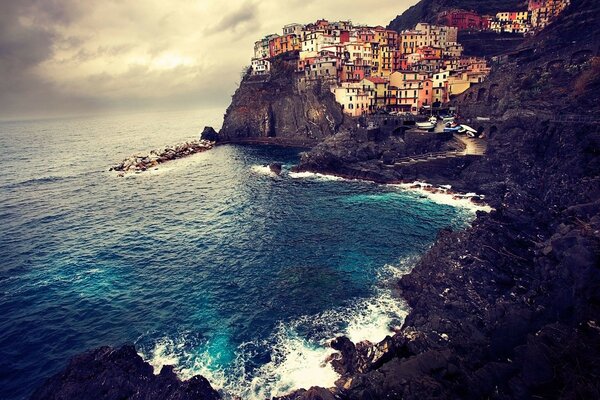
{"points": [[408, 85], [379, 87], [293, 29], [260, 66], [410, 41], [458, 84], [325, 66], [354, 98], [290, 43], [453, 50], [437, 36], [425, 93], [512, 22], [351, 72], [261, 47], [440, 87], [463, 20], [545, 11]]}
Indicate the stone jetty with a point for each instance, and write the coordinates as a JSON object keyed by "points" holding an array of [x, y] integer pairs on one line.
{"points": [[140, 163]]}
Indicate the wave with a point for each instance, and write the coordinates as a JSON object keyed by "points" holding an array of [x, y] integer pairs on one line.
{"points": [[316, 176], [263, 170], [297, 350], [444, 195], [438, 194]]}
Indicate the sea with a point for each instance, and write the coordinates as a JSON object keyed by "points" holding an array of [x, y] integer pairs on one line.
{"points": [[210, 263]]}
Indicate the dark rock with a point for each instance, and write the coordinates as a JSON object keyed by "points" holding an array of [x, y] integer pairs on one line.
{"points": [[209, 134], [276, 168], [315, 393], [115, 374]]}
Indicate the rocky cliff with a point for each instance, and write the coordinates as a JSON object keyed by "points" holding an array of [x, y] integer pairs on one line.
{"points": [[510, 308], [280, 108]]}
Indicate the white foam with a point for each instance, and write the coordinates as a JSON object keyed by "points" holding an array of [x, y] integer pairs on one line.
{"points": [[441, 195], [315, 176], [163, 353], [263, 170], [295, 363]]}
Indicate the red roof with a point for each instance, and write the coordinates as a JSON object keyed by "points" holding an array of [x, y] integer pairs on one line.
{"points": [[376, 79]]}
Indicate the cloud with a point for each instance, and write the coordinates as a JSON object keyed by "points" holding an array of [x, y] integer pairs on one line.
{"points": [[246, 15], [60, 57]]}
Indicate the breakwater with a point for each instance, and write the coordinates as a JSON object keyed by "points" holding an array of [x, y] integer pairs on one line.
{"points": [[141, 163]]}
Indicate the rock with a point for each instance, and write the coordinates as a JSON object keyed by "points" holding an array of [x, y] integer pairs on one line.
{"points": [[314, 393], [276, 168], [209, 134], [113, 374]]}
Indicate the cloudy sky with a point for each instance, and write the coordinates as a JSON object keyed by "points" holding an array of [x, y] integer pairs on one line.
{"points": [[68, 57]]}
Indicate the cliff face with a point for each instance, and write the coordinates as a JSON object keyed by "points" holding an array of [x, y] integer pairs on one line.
{"points": [[427, 10], [281, 110]]}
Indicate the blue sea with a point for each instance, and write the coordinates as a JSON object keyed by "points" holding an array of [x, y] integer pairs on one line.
{"points": [[209, 263]]}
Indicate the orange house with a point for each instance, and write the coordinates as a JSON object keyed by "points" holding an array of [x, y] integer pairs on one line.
{"points": [[426, 93]]}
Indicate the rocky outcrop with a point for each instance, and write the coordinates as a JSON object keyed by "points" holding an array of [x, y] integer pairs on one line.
{"points": [[114, 374], [368, 153], [209, 134], [282, 108]]}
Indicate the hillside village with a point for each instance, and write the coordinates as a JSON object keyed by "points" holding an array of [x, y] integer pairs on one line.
{"points": [[374, 69]]}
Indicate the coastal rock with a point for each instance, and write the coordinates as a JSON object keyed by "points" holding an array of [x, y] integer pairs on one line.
{"points": [[209, 134], [114, 374], [276, 168], [314, 393]]}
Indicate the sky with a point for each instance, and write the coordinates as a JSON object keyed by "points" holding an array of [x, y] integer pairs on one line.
{"points": [[71, 57]]}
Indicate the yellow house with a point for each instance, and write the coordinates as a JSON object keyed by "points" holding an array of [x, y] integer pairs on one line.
{"points": [[379, 87], [458, 84], [355, 99], [408, 86]]}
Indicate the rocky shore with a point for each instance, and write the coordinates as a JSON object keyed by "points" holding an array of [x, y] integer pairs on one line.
{"points": [[108, 373], [141, 163]]}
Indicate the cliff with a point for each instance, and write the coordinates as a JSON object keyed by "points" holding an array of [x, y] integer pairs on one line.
{"points": [[279, 108], [510, 307]]}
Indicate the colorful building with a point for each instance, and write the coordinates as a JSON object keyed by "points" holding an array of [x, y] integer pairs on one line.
{"points": [[354, 98], [379, 88], [463, 20]]}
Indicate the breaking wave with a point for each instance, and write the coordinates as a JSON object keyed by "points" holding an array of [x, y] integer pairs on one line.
{"points": [[297, 350]]}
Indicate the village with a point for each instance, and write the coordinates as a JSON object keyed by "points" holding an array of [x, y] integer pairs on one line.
{"points": [[377, 70]]}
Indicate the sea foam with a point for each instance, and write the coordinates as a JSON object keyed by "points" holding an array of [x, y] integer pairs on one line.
{"points": [[296, 360]]}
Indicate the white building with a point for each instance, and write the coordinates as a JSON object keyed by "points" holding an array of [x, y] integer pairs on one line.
{"points": [[260, 66]]}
